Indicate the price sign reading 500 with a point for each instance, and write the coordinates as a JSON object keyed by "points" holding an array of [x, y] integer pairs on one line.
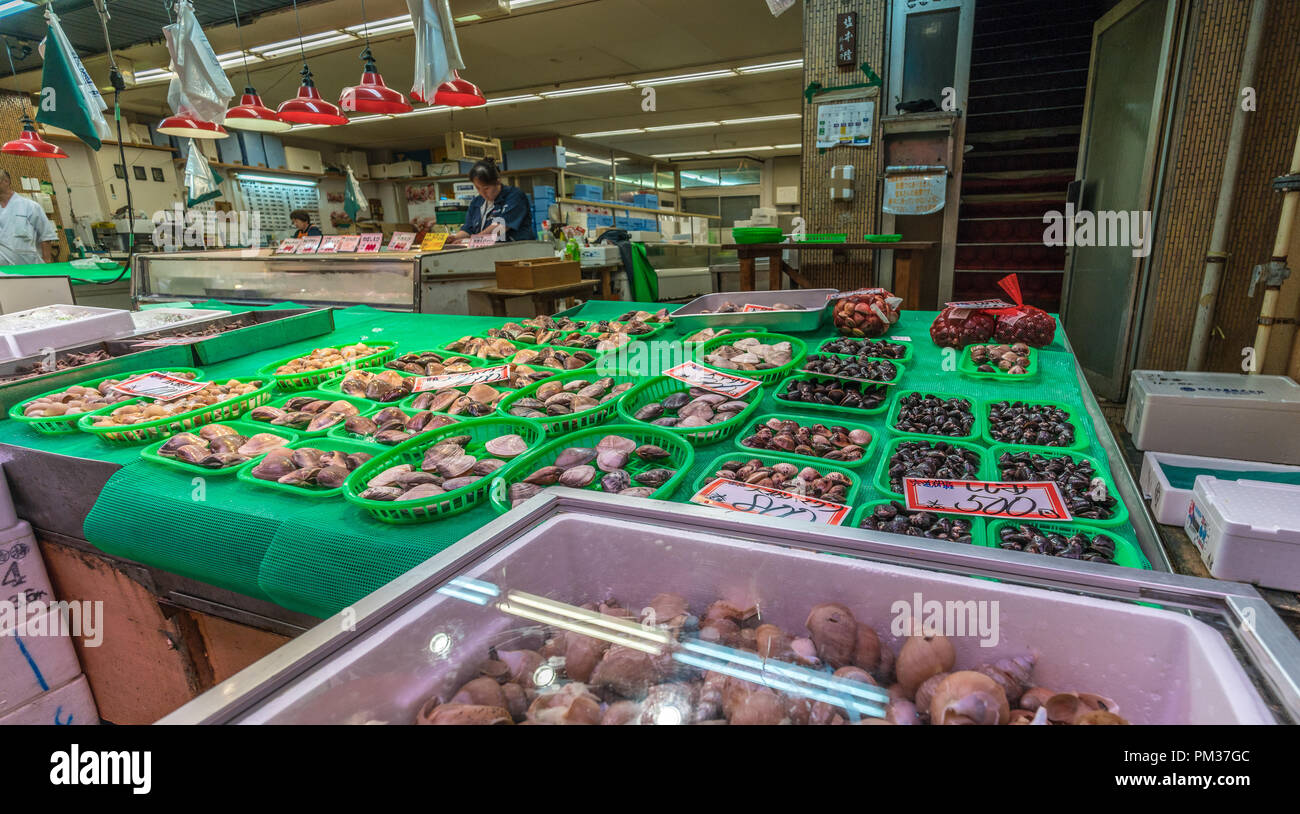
{"points": [[1027, 501]]}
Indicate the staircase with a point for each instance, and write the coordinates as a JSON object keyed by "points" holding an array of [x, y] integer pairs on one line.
{"points": [[1029, 73]]}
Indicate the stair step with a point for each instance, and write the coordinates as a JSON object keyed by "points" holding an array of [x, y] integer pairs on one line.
{"points": [[1023, 119], [1026, 83], [1058, 159], [1012, 16], [1000, 231], [996, 142], [1057, 97], [1028, 66], [1057, 29], [1044, 49]]}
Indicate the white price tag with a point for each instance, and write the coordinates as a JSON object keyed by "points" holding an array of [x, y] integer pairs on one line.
{"points": [[712, 380], [484, 375], [1020, 501], [750, 308], [979, 305], [858, 293], [159, 386], [288, 246], [746, 497]]}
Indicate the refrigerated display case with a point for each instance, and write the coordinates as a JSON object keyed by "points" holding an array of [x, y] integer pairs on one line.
{"points": [[1161, 648]]}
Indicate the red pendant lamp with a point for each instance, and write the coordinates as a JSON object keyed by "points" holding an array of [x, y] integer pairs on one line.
{"points": [[29, 143], [372, 95], [458, 92], [186, 126], [250, 114], [308, 107]]}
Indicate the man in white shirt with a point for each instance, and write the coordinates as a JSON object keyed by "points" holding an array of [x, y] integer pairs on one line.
{"points": [[26, 235]]}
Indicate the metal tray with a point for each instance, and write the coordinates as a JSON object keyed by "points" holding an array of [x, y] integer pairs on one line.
{"points": [[122, 358], [271, 328], [808, 318]]}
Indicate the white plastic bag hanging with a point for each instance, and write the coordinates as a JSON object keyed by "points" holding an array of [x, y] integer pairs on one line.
{"points": [[200, 87], [354, 199], [437, 52], [201, 183]]}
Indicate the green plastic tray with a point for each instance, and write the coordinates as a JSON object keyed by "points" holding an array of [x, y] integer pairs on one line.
{"points": [[882, 238], [246, 428], [968, 368], [823, 238], [798, 348], [976, 406], [1121, 516], [981, 421], [681, 458], [1127, 553], [898, 375], [806, 421], [661, 387], [61, 425], [153, 430], [978, 525], [882, 470], [826, 408], [245, 472], [574, 421], [711, 471], [361, 404], [264, 335], [308, 379], [906, 359], [411, 452], [757, 234]]}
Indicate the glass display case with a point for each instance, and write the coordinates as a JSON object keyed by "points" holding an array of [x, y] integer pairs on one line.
{"points": [[577, 608]]}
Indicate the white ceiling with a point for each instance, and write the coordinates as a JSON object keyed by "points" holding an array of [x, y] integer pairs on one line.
{"points": [[564, 43]]}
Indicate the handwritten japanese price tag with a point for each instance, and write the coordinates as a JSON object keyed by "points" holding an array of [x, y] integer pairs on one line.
{"points": [[158, 386], [401, 241], [482, 241], [484, 375], [348, 243], [750, 308], [745, 497], [859, 293], [328, 245], [1021, 501], [370, 243], [712, 380], [288, 246], [309, 244], [434, 241]]}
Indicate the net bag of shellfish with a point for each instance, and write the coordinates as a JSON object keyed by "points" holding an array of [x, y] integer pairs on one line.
{"points": [[867, 312], [962, 323], [1023, 323]]}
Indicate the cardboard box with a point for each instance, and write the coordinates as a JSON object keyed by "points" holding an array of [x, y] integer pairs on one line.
{"points": [[405, 169], [444, 169], [303, 160], [542, 272]]}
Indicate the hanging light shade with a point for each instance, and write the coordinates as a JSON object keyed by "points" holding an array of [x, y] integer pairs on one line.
{"points": [[189, 127], [459, 92], [308, 107], [30, 144], [254, 116], [372, 95]]}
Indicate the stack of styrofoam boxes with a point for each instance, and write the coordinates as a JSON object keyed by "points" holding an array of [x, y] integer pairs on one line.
{"points": [[378, 171], [646, 200], [763, 216], [543, 197], [588, 192], [40, 677]]}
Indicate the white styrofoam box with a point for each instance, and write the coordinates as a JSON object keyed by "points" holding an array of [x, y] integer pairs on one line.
{"points": [[444, 169], [60, 326], [157, 318], [645, 237], [1223, 415], [31, 660], [743, 224], [405, 169], [23, 577], [303, 160], [1247, 530], [1169, 503], [600, 255], [71, 704], [378, 171], [684, 283]]}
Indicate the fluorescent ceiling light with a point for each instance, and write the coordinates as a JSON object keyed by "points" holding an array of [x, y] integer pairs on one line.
{"points": [[309, 42], [236, 58], [677, 155], [272, 179], [686, 77], [691, 126], [740, 150], [787, 65], [789, 146], [756, 119], [424, 110], [14, 6], [381, 26], [371, 118], [510, 100], [555, 94], [469, 18], [153, 75], [610, 133]]}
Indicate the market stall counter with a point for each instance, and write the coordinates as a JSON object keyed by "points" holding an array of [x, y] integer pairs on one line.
{"points": [[105, 286]]}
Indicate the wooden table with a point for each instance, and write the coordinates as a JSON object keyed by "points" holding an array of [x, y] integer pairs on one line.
{"points": [[493, 300], [605, 270], [907, 268]]}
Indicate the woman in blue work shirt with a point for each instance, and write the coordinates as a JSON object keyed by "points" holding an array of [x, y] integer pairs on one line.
{"points": [[495, 201]]}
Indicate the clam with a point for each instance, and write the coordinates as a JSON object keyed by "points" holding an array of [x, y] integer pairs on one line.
{"points": [[177, 441], [615, 442], [666, 421], [332, 477], [304, 457], [616, 481], [356, 459], [265, 413], [578, 476], [389, 476], [191, 453], [649, 412], [211, 431], [506, 446], [548, 389], [612, 460], [389, 414], [303, 477], [325, 420], [575, 456], [638, 491], [676, 401], [650, 452], [456, 465], [484, 394], [452, 484], [421, 420], [522, 491], [222, 460], [654, 477], [381, 493], [360, 425], [487, 466], [408, 480], [260, 443], [391, 437], [424, 490], [546, 476]]}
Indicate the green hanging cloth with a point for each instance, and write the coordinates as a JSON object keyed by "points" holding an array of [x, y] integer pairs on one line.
{"points": [[643, 278]]}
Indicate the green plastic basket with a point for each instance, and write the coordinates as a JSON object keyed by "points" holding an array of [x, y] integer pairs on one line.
{"points": [[757, 234], [797, 346], [711, 471], [906, 358], [334, 387], [1127, 552], [882, 238], [823, 238], [574, 421], [661, 387], [63, 424], [339, 431], [245, 428], [1080, 436], [966, 367], [898, 375], [363, 405], [808, 421], [978, 525], [827, 408], [308, 379], [1121, 516], [408, 403], [680, 457], [480, 430], [882, 470], [976, 408], [656, 328], [473, 361], [162, 427], [245, 472]]}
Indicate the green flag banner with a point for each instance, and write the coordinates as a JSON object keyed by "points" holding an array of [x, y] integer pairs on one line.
{"points": [[65, 102]]}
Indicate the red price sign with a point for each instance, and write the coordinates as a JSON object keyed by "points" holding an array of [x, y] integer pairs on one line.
{"points": [[484, 375], [309, 244], [159, 386], [750, 308], [288, 246], [370, 243], [712, 380], [401, 241], [746, 497], [1019, 501]]}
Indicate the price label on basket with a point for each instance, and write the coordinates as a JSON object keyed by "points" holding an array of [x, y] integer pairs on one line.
{"points": [[736, 496], [159, 386], [713, 380], [485, 375], [1020, 501], [859, 293], [751, 308]]}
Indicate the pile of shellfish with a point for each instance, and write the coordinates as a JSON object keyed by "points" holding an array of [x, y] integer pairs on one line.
{"points": [[308, 467], [483, 348], [555, 398], [216, 446], [694, 407], [616, 465], [476, 400], [140, 412], [833, 443], [658, 317], [321, 358], [305, 413], [430, 363], [392, 425], [377, 385], [634, 327], [806, 481], [515, 332], [553, 358], [452, 463], [706, 334], [81, 399], [750, 354]]}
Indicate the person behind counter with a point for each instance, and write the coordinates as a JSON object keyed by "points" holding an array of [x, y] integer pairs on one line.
{"points": [[302, 224], [495, 201], [23, 225]]}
